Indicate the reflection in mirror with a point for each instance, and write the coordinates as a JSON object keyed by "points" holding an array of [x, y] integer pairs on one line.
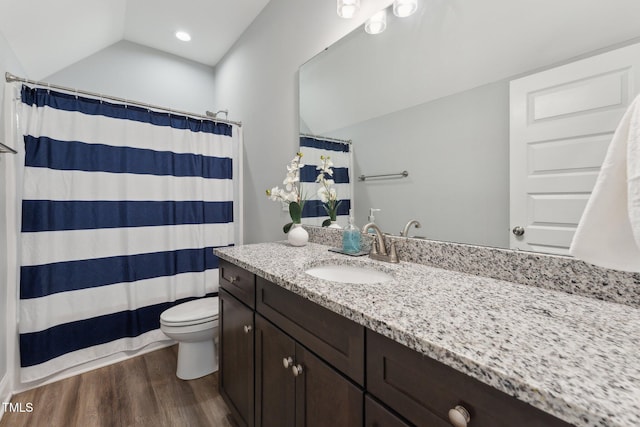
{"points": [[328, 200], [431, 95]]}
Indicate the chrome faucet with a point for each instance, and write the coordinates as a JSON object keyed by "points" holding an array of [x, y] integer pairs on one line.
{"points": [[379, 247], [405, 232]]}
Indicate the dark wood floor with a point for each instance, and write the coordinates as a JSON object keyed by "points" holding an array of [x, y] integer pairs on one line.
{"points": [[143, 391]]}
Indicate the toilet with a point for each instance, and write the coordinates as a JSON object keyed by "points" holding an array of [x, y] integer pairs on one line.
{"points": [[194, 325]]}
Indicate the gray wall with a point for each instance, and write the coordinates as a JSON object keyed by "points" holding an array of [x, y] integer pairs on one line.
{"points": [[131, 71], [456, 150], [257, 81], [8, 63]]}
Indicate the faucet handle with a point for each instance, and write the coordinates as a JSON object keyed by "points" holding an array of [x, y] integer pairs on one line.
{"points": [[393, 253], [374, 246]]}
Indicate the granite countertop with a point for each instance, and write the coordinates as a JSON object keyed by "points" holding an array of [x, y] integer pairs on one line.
{"points": [[574, 357]]}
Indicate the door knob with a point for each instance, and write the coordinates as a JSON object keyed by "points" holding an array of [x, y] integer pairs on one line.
{"points": [[247, 328], [287, 362], [517, 230], [459, 416], [297, 370]]}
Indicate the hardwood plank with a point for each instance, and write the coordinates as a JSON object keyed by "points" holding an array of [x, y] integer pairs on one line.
{"points": [[142, 391]]}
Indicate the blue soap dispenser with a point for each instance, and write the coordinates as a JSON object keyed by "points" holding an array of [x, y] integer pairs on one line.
{"points": [[351, 236]]}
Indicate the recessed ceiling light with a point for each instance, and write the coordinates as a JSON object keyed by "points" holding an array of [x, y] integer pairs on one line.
{"points": [[183, 35]]}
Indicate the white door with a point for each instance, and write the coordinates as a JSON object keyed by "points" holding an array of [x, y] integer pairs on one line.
{"points": [[562, 121]]}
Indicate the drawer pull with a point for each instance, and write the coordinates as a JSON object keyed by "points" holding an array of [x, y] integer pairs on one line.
{"points": [[297, 370], [287, 362], [232, 279], [459, 416], [247, 328]]}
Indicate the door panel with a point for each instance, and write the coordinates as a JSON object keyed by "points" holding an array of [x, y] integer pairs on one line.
{"points": [[323, 396], [236, 357], [562, 121], [275, 384]]}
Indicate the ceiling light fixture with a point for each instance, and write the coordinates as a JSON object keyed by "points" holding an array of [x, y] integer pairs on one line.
{"points": [[183, 35], [404, 8], [377, 23], [348, 8]]}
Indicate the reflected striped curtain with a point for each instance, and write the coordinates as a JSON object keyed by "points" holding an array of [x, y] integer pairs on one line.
{"points": [[340, 152], [121, 210]]}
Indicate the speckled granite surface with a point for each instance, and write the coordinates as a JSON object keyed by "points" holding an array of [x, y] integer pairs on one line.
{"points": [[577, 358], [546, 271]]}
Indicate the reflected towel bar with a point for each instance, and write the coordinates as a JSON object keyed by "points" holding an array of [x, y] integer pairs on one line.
{"points": [[402, 174], [7, 149]]}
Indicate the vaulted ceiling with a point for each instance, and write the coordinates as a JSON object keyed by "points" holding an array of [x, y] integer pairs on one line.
{"points": [[48, 36]]}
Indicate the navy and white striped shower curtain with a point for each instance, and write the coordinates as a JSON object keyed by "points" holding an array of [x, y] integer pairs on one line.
{"points": [[121, 209], [340, 152]]}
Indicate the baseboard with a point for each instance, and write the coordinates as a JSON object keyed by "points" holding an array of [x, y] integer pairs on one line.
{"points": [[90, 366], [5, 392]]}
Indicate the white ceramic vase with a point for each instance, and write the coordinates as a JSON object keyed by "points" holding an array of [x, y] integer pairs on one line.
{"points": [[297, 235], [334, 224]]}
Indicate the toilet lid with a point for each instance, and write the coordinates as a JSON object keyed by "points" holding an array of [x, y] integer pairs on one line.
{"points": [[195, 311]]}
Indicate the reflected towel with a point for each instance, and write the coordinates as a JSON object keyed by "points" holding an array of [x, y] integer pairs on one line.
{"points": [[608, 234]]}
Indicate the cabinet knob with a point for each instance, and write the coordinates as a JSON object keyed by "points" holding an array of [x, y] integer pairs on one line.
{"points": [[518, 230], [459, 416], [297, 370], [247, 328], [287, 362], [232, 279]]}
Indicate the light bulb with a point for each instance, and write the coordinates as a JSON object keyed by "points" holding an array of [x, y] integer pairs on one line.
{"points": [[404, 8], [377, 23], [348, 8]]}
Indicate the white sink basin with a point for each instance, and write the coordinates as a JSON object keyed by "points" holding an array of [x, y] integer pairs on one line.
{"points": [[349, 274]]}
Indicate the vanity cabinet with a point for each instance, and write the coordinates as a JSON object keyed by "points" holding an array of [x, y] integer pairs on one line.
{"points": [[296, 388], [286, 361]]}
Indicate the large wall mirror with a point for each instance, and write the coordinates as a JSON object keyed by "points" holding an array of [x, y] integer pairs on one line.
{"points": [[431, 96]]}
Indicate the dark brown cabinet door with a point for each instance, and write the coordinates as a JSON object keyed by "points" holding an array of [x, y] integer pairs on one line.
{"points": [[323, 396], [275, 382], [236, 358], [296, 388], [376, 415]]}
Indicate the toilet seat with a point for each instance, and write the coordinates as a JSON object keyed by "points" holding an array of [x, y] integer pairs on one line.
{"points": [[190, 313]]}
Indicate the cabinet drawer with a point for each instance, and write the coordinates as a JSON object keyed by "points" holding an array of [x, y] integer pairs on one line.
{"points": [[334, 338], [238, 282], [423, 390]]}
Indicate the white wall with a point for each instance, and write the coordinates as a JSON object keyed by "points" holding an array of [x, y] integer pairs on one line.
{"points": [[456, 150], [131, 71], [8, 63], [257, 81]]}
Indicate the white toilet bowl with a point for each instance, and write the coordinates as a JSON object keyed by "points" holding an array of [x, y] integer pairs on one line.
{"points": [[194, 325]]}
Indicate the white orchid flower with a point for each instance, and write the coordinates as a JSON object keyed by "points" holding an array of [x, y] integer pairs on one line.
{"points": [[323, 195]]}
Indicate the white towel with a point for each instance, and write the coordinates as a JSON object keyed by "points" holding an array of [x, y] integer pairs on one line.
{"points": [[608, 234]]}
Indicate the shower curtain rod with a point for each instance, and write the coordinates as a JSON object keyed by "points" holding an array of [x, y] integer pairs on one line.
{"points": [[326, 138], [11, 78]]}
